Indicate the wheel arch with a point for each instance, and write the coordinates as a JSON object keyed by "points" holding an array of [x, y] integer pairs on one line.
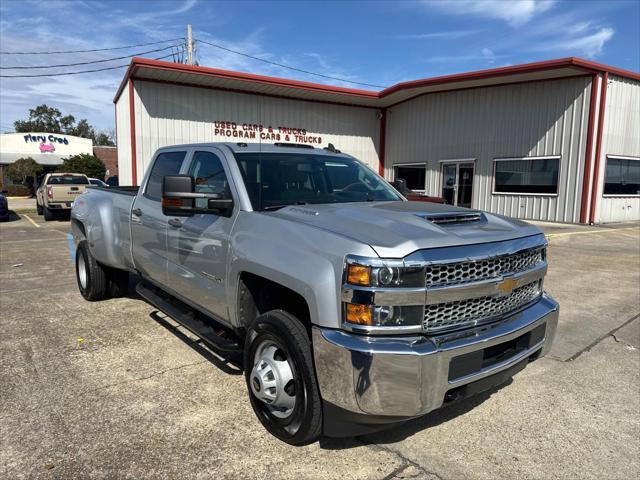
{"points": [[257, 294]]}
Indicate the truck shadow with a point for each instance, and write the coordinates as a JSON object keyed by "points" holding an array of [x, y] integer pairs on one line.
{"points": [[405, 430], [227, 363]]}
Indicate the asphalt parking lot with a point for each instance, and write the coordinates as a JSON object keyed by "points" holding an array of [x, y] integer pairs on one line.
{"points": [[114, 390]]}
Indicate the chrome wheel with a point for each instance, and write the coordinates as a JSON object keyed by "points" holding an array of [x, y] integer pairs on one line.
{"points": [[82, 272], [272, 379]]}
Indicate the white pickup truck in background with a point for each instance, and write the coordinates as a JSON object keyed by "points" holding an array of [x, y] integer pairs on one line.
{"points": [[57, 193]]}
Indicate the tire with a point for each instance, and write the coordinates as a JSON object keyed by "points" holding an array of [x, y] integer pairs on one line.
{"points": [[274, 339], [48, 214], [118, 282], [90, 275], [39, 208]]}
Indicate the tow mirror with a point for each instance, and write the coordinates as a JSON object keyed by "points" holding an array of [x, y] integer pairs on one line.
{"points": [[180, 200]]}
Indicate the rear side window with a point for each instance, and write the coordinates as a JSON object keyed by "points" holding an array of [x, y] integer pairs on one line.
{"points": [[68, 180], [167, 163]]}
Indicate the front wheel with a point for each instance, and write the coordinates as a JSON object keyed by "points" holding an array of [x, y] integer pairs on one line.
{"points": [[281, 379]]}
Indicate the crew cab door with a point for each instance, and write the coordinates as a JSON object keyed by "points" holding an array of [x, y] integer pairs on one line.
{"points": [[199, 245], [148, 223]]}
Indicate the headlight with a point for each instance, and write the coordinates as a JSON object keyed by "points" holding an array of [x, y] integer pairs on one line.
{"points": [[383, 273], [369, 283]]}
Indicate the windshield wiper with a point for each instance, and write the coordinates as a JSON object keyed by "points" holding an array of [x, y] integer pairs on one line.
{"points": [[278, 207]]}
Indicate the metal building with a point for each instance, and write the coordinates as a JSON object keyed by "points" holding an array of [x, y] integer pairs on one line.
{"points": [[556, 140]]}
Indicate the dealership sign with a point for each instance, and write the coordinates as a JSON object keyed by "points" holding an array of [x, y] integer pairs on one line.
{"points": [[256, 131]]}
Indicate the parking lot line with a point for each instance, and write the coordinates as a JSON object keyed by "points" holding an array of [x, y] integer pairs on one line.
{"points": [[72, 247], [30, 220]]}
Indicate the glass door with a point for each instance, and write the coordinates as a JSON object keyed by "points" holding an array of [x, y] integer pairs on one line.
{"points": [[457, 183]]}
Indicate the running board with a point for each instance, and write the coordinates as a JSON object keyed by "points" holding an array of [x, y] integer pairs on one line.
{"points": [[188, 318]]}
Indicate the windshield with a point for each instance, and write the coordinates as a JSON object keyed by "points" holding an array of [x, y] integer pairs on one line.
{"points": [[274, 180], [68, 180]]}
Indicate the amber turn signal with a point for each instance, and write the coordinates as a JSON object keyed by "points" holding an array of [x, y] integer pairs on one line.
{"points": [[359, 275], [359, 314], [171, 202]]}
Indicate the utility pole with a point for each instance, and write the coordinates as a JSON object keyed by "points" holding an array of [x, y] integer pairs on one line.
{"points": [[189, 45]]}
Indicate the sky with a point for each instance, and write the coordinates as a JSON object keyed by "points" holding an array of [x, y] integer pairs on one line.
{"points": [[377, 42]]}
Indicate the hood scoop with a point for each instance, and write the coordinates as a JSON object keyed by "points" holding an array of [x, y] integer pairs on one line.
{"points": [[462, 218]]}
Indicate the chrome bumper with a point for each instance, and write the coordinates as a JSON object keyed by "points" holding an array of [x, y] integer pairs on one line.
{"points": [[409, 376]]}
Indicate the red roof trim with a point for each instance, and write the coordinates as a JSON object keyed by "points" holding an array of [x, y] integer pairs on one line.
{"points": [[368, 94]]}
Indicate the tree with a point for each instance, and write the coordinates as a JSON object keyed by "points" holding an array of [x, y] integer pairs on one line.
{"points": [[49, 119], [90, 165], [22, 169]]}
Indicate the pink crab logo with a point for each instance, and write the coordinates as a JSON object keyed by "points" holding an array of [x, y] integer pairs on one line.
{"points": [[47, 148]]}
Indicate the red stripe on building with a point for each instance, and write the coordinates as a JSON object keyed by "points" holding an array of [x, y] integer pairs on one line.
{"points": [[132, 126], [586, 178], [598, 159]]}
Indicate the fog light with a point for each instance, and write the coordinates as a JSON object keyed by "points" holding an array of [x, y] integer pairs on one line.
{"points": [[359, 314]]}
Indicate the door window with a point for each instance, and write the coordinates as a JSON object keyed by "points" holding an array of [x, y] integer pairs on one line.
{"points": [[457, 183], [449, 183], [209, 177], [167, 163]]}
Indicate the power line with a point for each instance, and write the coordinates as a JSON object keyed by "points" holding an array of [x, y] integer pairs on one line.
{"points": [[90, 62], [94, 49], [287, 66], [78, 73]]}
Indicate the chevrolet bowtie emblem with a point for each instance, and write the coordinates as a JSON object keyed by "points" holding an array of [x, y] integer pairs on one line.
{"points": [[507, 286]]}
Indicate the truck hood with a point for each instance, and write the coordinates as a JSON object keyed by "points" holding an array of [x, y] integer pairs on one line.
{"points": [[396, 229]]}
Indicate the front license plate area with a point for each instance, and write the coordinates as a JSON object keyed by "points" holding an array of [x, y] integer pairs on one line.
{"points": [[473, 362]]}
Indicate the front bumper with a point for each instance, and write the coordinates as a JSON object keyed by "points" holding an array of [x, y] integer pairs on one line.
{"points": [[396, 378]]}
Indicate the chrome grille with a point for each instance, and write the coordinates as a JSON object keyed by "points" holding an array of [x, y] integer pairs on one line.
{"points": [[473, 271], [466, 313]]}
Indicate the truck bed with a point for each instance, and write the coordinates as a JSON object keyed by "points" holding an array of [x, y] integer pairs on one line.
{"points": [[100, 207], [122, 190]]}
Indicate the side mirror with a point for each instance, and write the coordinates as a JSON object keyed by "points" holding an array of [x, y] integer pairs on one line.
{"points": [[400, 185], [179, 199]]}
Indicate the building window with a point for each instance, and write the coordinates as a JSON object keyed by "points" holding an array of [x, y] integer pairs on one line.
{"points": [[526, 176], [622, 176], [414, 175]]}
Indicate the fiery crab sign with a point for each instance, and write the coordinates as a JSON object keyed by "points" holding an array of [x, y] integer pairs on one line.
{"points": [[44, 147], [256, 131]]}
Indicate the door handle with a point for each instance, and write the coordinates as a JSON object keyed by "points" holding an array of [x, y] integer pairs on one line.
{"points": [[137, 212], [176, 223]]}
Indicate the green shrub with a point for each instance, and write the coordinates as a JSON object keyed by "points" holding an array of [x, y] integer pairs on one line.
{"points": [[16, 191], [90, 165]]}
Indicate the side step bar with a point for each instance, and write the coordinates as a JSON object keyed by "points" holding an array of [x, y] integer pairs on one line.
{"points": [[189, 318]]}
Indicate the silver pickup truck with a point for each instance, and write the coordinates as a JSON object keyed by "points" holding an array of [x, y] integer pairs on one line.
{"points": [[353, 309]]}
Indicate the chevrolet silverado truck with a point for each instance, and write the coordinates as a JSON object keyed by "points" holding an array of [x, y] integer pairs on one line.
{"points": [[57, 192], [353, 308]]}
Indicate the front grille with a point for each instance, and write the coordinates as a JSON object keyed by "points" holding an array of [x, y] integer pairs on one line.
{"points": [[466, 313], [486, 269]]}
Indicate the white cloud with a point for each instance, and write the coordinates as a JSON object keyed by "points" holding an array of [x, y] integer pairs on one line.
{"points": [[485, 56], [450, 34], [589, 44], [488, 55], [514, 12]]}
